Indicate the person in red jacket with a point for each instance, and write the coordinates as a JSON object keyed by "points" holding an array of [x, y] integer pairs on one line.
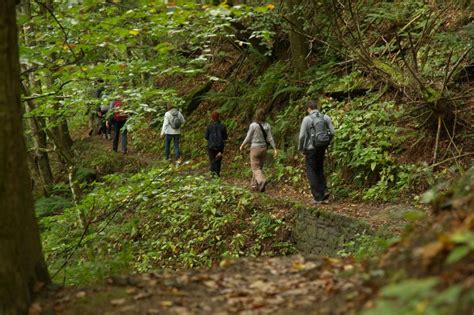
{"points": [[119, 118]]}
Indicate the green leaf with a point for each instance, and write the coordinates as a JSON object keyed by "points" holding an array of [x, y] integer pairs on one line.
{"points": [[457, 254], [410, 288]]}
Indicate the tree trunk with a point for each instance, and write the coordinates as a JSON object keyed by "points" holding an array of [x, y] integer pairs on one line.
{"points": [[22, 264], [298, 43], [41, 157]]}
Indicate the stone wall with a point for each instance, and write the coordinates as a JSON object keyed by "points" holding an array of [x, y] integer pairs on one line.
{"points": [[324, 233]]}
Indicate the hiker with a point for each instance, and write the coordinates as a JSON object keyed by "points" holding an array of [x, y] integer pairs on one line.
{"points": [[94, 118], [216, 135], [171, 130], [260, 138], [119, 118], [105, 126], [316, 133]]}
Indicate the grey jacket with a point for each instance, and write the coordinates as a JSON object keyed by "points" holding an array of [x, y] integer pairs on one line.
{"points": [[167, 129], [255, 136], [304, 143]]}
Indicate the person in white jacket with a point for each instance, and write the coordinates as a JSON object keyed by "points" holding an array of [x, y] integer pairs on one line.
{"points": [[171, 130]]}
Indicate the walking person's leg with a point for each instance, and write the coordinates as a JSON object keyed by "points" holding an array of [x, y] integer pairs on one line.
{"points": [[177, 153], [312, 175], [257, 158], [167, 146], [319, 164], [218, 163], [116, 135], [212, 160], [124, 139]]}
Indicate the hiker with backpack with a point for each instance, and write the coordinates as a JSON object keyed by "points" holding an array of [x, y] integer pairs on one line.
{"points": [[316, 133], [119, 118], [260, 138], [216, 135], [105, 126], [94, 118], [171, 130]]}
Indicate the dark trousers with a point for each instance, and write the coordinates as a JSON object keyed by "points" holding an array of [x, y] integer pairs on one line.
{"points": [[315, 172], [118, 125], [215, 162], [103, 125], [175, 139]]}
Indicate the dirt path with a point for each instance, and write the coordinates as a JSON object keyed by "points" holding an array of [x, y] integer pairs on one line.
{"points": [[389, 217], [284, 285]]}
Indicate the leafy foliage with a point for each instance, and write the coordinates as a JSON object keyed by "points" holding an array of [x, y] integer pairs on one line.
{"points": [[158, 218]]}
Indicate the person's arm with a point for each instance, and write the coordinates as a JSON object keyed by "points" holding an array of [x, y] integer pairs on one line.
{"points": [[330, 125], [270, 137], [224, 133], [165, 124], [182, 118], [271, 140], [249, 136], [302, 136], [206, 135]]}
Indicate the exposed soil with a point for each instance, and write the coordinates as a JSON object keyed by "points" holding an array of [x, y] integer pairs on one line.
{"points": [[284, 285]]}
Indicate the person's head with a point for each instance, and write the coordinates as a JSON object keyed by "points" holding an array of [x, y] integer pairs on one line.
{"points": [[260, 116], [170, 106], [312, 105], [215, 116]]}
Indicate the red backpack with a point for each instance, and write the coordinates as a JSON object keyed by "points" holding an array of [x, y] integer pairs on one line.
{"points": [[119, 114]]}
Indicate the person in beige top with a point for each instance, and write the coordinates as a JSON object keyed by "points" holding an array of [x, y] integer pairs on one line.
{"points": [[260, 137]]}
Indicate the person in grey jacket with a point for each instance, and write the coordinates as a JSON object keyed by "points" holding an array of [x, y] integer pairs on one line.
{"points": [[314, 155], [260, 137], [171, 130]]}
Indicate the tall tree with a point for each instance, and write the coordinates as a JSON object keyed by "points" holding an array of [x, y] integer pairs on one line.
{"points": [[298, 43], [22, 264]]}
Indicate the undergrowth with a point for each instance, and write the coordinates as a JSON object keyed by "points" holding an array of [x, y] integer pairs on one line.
{"points": [[159, 218]]}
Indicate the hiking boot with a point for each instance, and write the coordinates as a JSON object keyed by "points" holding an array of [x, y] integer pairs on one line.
{"points": [[319, 202], [326, 196], [262, 186]]}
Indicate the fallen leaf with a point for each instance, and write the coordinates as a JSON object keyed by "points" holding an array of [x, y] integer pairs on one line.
{"points": [[142, 295], [429, 251], [80, 294], [131, 290], [166, 303], [118, 302], [35, 309]]}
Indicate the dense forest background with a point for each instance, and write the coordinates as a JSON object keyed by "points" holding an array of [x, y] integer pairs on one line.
{"points": [[395, 77]]}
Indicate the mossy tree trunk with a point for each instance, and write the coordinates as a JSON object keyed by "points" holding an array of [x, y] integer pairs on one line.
{"points": [[22, 264], [298, 43]]}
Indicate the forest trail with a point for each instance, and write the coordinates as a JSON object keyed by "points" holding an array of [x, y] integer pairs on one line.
{"points": [[388, 216], [279, 285], [282, 285]]}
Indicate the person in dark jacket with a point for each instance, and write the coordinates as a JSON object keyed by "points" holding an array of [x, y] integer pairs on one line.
{"points": [[314, 156], [216, 135]]}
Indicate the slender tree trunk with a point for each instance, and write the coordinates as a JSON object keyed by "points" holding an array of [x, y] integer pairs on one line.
{"points": [[41, 157], [21, 260], [298, 43]]}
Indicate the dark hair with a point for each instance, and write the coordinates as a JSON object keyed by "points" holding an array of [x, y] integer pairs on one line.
{"points": [[313, 104], [169, 106], [260, 115]]}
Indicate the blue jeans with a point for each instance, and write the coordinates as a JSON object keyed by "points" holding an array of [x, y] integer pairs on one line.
{"points": [[175, 139], [315, 172], [118, 125]]}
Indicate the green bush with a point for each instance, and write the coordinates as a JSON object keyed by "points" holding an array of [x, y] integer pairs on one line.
{"points": [[161, 218]]}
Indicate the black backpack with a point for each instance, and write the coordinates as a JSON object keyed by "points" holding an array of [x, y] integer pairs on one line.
{"points": [[320, 134], [216, 139]]}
